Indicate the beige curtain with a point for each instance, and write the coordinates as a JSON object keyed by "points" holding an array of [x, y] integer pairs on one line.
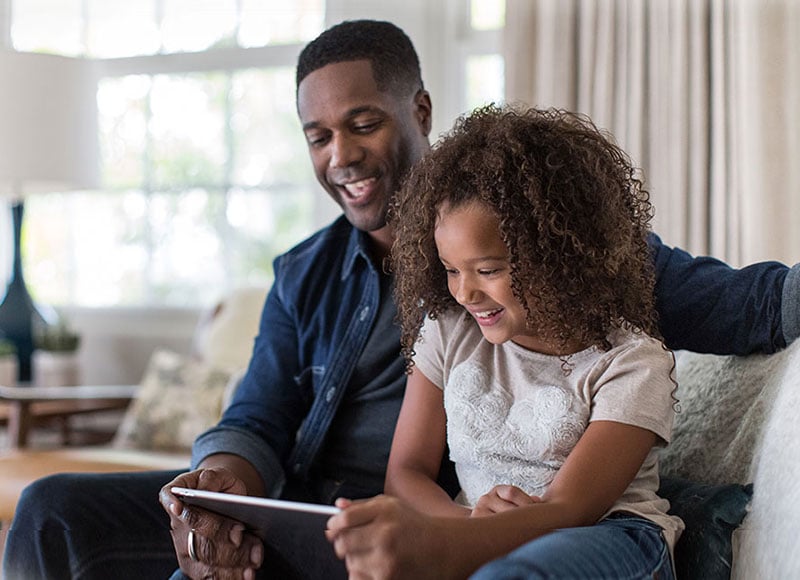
{"points": [[703, 94]]}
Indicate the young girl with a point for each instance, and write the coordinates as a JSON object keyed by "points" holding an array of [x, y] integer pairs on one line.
{"points": [[525, 294]]}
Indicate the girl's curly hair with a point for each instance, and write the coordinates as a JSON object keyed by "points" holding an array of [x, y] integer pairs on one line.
{"points": [[573, 215]]}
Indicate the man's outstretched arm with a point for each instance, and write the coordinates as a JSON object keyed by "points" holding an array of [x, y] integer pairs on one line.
{"points": [[704, 305]]}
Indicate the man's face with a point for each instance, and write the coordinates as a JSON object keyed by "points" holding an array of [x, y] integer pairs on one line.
{"points": [[362, 141]]}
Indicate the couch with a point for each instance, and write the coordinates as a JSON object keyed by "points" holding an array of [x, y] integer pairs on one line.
{"points": [[737, 425]]}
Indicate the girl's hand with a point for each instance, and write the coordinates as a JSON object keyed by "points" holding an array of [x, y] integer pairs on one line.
{"points": [[383, 537], [502, 498]]}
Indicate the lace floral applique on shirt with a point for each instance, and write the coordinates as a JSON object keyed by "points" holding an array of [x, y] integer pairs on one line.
{"points": [[495, 439]]}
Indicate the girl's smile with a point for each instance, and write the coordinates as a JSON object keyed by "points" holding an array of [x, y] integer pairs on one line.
{"points": [[479, 274]]}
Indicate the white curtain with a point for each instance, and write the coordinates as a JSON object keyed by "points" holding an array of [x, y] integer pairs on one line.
{"points": [[704, 96]]}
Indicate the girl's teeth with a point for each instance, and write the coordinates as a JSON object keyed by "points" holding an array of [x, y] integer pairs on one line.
{"points": [[487, 314]]}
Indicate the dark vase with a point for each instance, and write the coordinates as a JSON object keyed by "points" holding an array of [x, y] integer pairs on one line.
{"points": [[18, 314]]}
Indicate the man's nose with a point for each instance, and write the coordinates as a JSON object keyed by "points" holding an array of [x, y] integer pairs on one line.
{"points": [[344, 152]]}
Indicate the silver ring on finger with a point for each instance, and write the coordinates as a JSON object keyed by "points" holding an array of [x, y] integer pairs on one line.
{"points": [[192, 551]]}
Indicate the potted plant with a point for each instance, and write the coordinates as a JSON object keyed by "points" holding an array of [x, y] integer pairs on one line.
{"points": [[55, 359]]}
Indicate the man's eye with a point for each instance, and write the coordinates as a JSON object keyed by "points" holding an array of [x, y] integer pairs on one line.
{"points": [[366, 127], [316, 141]]}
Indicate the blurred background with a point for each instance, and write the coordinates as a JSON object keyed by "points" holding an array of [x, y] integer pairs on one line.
{"points": [[205, 178]]}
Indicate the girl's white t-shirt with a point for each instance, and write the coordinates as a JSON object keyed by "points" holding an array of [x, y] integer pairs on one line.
{"points": [[514, 415]]}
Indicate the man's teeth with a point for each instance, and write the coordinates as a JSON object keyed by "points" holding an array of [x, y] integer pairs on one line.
{"points": [[487, 313], [359, 188]]}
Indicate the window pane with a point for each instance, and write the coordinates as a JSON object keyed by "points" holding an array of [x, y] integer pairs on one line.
{"points": [[87, 249], [122, 28], [175, 248], [266, 22], [267, 138], [194, 25], [185, 252], [122, 112], [266, 223], [187, 129], [485, 80], [52, 26], [487, 14]]}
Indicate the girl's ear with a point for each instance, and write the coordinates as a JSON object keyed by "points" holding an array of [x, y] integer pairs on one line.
{"points": [[424, 110]]}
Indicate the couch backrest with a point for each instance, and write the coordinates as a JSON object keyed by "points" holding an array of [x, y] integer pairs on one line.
{"points": [[724, 404]]}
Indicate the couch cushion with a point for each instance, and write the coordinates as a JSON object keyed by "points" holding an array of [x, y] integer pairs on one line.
{"points": [[179, 398], [711, 513], [224, 336]]}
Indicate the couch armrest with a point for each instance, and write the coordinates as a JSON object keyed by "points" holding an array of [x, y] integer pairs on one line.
{"points": [[20, 407]]}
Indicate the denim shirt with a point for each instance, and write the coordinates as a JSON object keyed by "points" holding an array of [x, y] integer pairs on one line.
{"points": [[315, 323], [323, 303]]}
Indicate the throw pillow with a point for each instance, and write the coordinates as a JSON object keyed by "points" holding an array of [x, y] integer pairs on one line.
{"points": [[711, 513], [178, 399], [225, 335]]}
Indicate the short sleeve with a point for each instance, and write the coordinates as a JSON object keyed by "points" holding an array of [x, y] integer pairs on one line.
{"points": [[429, 350], [635, 387]]}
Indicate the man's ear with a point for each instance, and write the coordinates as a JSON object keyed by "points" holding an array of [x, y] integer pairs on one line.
{"points": [[423, 110]]}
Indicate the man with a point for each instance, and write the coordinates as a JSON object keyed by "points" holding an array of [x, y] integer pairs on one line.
{"points": [[314, 416]]}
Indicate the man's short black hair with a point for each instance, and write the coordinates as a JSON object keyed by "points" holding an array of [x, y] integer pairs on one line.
{"points": [[395, 63]]}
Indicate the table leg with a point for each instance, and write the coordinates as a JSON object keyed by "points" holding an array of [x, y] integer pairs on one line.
{"points": [[19, 422]]}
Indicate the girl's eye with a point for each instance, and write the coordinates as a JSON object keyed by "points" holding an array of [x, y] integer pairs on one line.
{"points": [[488, 272], [451, 271]]}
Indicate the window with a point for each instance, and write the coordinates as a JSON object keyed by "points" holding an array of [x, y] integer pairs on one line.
{"points": [[205, 171], [485, 77], [205, 175]]}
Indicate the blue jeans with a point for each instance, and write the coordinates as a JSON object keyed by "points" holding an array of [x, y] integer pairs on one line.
{"points": [[621, 547], [86, 526]]}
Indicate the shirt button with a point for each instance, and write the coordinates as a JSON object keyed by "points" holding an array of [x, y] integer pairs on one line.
{"points": [[329, 395], [364, 313]]}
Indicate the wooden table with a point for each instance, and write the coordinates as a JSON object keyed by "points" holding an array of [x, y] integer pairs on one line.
{"points": [[25, 407]]}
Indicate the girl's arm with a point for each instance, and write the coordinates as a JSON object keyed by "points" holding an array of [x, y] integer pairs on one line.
{"points": [[393, 537], [417, 449], [596, 473]]}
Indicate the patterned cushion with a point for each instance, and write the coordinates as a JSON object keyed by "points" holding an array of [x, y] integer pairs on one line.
{"points": [[178, 399]]}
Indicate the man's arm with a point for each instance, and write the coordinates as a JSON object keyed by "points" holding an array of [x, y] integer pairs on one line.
{"points": [[242, 454], [268, 406], [704, 305]]}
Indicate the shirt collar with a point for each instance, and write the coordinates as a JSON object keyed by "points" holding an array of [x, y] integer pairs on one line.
{"points": [[357, 247]]}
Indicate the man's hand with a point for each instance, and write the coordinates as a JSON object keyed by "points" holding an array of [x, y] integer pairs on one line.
{"points": [[382, 538], [502, 498], [222, 548]]}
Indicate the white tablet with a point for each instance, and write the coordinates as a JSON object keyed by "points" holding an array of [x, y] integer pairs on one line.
{"points": [[260, 514]]}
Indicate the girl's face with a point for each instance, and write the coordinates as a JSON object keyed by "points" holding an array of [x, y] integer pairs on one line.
{"points": [[479, 275]]}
